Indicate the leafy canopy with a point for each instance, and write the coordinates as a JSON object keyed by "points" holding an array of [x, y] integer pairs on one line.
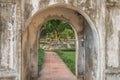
{"points": [[57, 29]]}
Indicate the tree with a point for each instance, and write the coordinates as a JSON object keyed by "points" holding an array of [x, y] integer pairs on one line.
{"points": [[67, 34], [57, 29]]}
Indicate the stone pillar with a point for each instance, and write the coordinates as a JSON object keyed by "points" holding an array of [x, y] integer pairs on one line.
{"points": [[112, 40], [9, 32], [81, 56]]}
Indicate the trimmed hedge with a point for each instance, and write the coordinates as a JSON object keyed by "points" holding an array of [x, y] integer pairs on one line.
{"points": [[40, 59], [71, 49]]}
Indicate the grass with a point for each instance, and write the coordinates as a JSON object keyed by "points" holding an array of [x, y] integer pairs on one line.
{"points": [[40, 59], [71, 49], [68, 56], [71, 54]]}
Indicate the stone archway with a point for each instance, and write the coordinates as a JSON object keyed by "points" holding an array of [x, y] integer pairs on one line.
{"points": [[86, 41]]}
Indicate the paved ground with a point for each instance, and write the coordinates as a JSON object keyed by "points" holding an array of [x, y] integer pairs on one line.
{"points": [[55, 69]]}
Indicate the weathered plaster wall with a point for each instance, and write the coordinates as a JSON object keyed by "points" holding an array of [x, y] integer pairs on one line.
{"points": [[107, 27], [10, 49], [105, 15], [112, 40], [30, 34], [91, 54], [7, 30]]}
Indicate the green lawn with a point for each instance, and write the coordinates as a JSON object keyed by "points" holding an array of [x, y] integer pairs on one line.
{"points": [[68, 57], [71, 54]]}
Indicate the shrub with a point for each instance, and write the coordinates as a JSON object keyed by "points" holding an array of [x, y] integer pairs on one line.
{"points": [[40, 58], [71, 49]]}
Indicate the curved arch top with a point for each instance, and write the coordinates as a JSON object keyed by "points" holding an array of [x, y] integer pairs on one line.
{"points": [[64, 6]]}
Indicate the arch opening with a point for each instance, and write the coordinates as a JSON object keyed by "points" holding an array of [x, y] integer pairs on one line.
{"points": [[56, 30], [57, 35], [86, 41]]}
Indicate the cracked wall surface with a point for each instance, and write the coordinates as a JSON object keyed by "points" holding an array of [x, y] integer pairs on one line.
{"points": [[105, 15]]}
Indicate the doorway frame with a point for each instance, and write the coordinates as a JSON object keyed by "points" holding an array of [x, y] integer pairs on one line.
{"points": [[26, 33]]}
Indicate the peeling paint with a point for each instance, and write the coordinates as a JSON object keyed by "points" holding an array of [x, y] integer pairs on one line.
{"points": [[35, 4], [105, 23], [66, 1], [112, 27], [52, 2], [119, 46]]}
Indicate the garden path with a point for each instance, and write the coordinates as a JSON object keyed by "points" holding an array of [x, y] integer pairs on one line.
{"points": [[55, 69]]}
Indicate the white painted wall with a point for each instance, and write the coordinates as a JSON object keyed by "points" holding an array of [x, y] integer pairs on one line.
{"points": [[35, 4]]}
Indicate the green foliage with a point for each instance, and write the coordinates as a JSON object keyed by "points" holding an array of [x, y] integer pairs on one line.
{"points": [[68, 57], [40, 59], [57, 29], [68, 50], [67, 34], [43, 42]]}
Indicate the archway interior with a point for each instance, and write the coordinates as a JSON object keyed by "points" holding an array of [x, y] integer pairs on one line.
{"points": [[86, 42], [58, 36], [57, 31]]}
